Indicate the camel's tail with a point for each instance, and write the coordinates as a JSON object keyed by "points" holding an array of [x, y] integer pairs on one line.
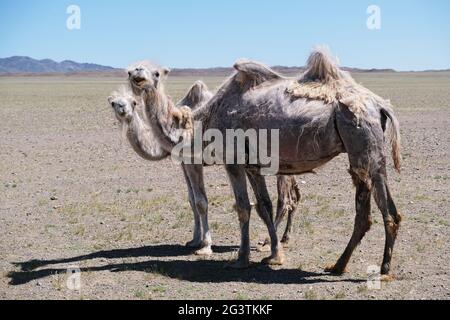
{"points": [[393, 132]]}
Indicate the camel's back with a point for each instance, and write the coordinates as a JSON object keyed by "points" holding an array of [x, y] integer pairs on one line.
{"points": [[270, 106], [306, 127]]}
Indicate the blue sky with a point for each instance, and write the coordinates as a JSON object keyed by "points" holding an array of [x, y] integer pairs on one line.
{"points": [[414, 34]]}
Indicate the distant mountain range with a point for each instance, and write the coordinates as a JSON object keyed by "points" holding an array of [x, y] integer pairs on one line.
{"points": [[18, 64], [25, 65]]}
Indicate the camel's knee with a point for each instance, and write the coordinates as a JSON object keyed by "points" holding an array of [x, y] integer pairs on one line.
{"points": [[367, 224], [392, 208], [398, 219], [361, 175], [385, 203], [394, 221], [392, 226], [201, 204], [243, 213], [362, 226]]}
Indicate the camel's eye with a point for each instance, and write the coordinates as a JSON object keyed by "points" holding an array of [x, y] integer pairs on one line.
{"points": [[134, 103], [157, 74]]}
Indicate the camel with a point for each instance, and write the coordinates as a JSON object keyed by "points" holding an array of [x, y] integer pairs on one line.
{"points": [[140, 137], [146, 80], [288, 190], [138, 133], [326, 114]]}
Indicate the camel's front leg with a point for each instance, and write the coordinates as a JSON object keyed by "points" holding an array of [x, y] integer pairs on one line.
{"points": [[197, 237], [194, 174], [238, 182]]}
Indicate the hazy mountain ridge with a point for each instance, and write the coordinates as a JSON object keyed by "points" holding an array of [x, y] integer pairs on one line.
{"points": [[22, 65]]}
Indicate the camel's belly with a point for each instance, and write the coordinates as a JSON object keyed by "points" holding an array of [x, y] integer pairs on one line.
{"points": [[309, 146], [299, 167]]}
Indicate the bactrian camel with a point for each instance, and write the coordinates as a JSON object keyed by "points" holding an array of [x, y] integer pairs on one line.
{"points": [[319, 115], [127, 108]]}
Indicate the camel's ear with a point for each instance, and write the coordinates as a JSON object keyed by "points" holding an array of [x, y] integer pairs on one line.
{"points": [[165, 71], [110, 99]]}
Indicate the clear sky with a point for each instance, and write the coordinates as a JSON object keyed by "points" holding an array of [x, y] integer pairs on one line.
{"points": [[414, 34]]}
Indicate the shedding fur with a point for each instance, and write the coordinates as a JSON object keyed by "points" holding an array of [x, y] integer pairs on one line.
{"points": [[322, 67], [183, 118], [324, 80]]}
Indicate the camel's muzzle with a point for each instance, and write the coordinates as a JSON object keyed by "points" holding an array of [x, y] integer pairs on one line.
{"points": [[120, 110], [139, 81]]}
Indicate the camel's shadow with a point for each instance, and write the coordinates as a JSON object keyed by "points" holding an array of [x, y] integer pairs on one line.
{"points": [[201, 270]]}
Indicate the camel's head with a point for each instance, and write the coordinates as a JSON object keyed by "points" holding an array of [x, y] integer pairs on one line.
{"points": [[123, 104], [145, 76]]}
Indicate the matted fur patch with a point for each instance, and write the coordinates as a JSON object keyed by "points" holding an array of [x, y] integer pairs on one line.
{"points": [[324, 80]]}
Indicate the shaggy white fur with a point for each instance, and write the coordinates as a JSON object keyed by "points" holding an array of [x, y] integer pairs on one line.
{"points": [[324, 80]]}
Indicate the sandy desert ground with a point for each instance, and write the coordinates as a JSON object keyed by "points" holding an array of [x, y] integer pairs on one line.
{"points": [[73, 193]]}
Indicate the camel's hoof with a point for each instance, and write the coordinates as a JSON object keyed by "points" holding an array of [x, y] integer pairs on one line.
{"points": [[276, 260], [194, 244], [387, 277], [238, 264], [264, 248], [205, 251], [333, 269]]}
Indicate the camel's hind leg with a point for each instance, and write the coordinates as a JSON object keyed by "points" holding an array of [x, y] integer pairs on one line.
{"points": [[286, 235], [265, 211], [391, 217], [290, 205], [363, 222], [288, 199], [364, 142]]}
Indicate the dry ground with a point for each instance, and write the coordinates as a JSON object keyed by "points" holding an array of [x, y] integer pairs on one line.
{"points": [[124, 221]]}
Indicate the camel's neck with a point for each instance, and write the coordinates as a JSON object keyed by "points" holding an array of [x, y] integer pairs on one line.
{"points": [[203, 114], [159, 110], [140, 136]]}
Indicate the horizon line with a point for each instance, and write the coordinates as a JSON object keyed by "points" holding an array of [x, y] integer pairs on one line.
{"points": [[210, 67]]}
